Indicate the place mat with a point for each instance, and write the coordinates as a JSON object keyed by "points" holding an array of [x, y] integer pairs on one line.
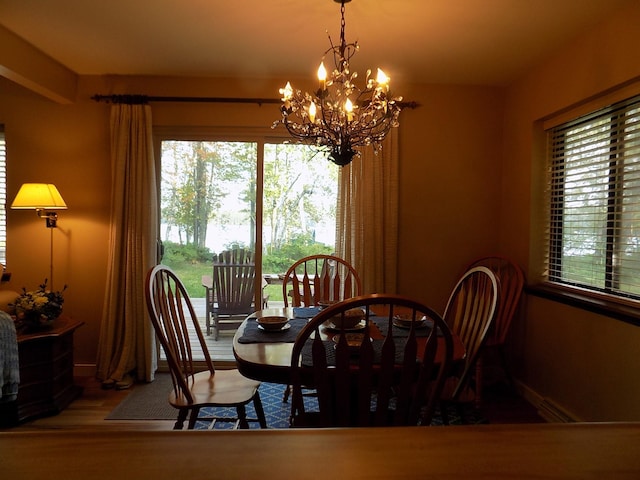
{"points": [[253, 334], [305, 312], [399, 332]]}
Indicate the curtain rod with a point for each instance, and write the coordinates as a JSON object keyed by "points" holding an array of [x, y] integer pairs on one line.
{"points": [[142, 99], [139, 99]]}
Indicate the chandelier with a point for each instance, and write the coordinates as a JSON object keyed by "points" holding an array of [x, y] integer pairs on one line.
{"points": [[340, 116]]}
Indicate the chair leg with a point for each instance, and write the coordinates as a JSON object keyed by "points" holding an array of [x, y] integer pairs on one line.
{"points": [[208, 312], [182, 416], [285, 395], [242, 417], [478, 381], [257, 405], [193, 416]]}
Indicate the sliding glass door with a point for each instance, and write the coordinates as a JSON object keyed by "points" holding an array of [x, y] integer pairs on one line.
{"points": [[276, 199]]}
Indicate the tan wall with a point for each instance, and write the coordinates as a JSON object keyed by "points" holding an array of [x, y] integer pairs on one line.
{"points": [[449, 184], [585, 363]]}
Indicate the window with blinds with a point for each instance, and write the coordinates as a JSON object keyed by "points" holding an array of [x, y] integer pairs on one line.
{"points": [[594, 236], [3, 198]]}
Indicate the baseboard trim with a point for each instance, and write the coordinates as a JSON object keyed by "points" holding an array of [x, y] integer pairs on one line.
{"points": [[84, 370], [547, 408]]}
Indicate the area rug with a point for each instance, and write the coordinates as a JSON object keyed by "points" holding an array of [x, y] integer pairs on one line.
{"points": [[149, 402]]}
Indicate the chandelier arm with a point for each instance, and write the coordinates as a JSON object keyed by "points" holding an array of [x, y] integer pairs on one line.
{"points": [[290, 126], [378, 130]]}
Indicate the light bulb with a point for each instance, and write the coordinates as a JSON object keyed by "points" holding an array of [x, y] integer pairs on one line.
{"points": [[382, 79], [322, 75], [286, 92], [312, 112], [348, 107]]}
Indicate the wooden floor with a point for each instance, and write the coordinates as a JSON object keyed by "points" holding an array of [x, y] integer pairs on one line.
{"points": [[90, 410]]}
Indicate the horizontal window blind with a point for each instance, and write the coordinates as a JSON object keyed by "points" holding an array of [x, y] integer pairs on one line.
{"points": [[3, 198], [594, 240]]}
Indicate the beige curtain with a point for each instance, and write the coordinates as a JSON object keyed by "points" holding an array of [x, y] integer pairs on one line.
{"points": [[126, 349], [367, 217]]}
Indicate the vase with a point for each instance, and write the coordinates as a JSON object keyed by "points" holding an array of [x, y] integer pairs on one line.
{"points": [[33, 322]]}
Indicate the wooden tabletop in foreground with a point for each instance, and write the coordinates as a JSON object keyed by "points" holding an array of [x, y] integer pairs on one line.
{"points": [[542, 451]]}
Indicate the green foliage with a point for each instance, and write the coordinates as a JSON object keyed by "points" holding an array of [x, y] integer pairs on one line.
{"points": [[174, 253], [190, 262], [191, 276], [195, 180], [301, 245], [299, 192]]}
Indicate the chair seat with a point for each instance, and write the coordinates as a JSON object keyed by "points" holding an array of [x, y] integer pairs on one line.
{"points": [[224, 388]]}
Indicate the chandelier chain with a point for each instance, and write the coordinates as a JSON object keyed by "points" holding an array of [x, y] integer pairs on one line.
{"points": [[343, 42]]}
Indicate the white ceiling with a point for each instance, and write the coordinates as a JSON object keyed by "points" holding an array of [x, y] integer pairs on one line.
{"points": [[489, 42]]}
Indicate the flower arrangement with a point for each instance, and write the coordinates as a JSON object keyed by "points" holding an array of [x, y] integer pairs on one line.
{"points": [[38, 307]]}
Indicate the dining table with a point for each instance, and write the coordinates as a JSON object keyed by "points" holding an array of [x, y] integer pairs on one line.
{"points": [[266, 356]]}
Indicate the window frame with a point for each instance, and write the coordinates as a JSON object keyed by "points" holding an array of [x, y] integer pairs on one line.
{"points": [[603, 301]]}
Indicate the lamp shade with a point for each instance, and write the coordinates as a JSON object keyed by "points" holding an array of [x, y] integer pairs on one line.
{"points": [[36, 196]]}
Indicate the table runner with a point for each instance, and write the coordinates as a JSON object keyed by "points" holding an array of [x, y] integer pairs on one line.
{"points": [[253, 334]]}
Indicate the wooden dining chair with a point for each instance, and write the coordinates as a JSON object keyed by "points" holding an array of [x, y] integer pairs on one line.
{"points": [[511, 283], [379, 375], [469, 313], [173, 318], [320, 278], [231, 291]]}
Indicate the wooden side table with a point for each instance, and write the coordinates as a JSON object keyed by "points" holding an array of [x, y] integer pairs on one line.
{"points": [[46, 373]]}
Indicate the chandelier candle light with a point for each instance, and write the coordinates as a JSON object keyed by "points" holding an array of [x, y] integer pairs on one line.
{"points": [[340, 116]]}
